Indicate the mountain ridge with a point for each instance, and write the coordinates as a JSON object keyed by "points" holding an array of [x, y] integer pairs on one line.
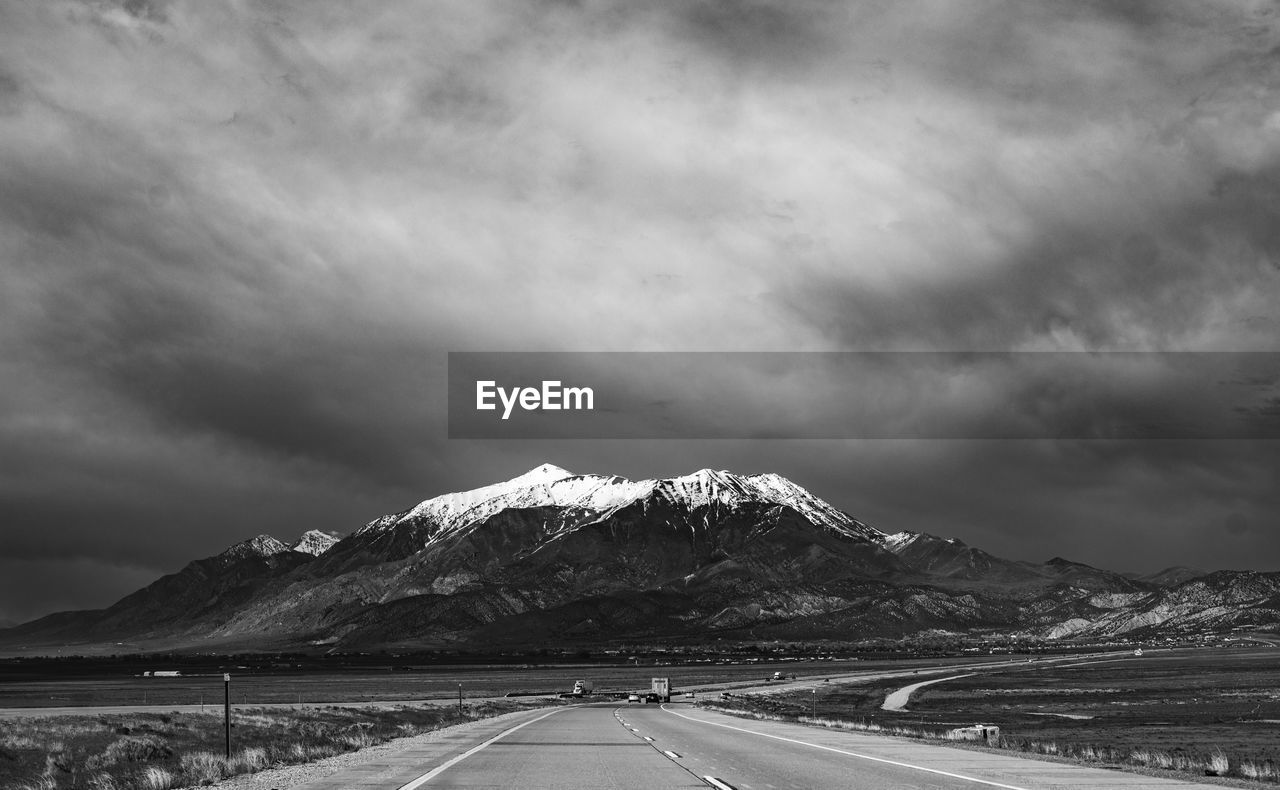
{"points": [[551, 555]]}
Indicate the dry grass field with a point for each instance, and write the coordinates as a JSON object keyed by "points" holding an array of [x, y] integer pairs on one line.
{"points": [[149, 751]]}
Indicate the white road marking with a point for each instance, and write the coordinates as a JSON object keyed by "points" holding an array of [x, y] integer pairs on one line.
{"points": [[671, 754], [716, 783], [648, 738], [938, 771], [434, 772]]}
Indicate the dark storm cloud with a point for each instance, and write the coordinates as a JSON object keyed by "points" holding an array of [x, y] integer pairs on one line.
{"points": [[79, 580], [238, 240], [762, 37]]}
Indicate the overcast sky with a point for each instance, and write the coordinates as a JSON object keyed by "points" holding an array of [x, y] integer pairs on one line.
{"points": [[237, 240]]}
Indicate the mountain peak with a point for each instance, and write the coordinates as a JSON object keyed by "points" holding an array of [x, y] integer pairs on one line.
{"points": [[594, 497], [544, 473], [258, 546], [314, 542]]}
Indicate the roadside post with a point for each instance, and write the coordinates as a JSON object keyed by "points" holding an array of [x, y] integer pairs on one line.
{"points": [[459, 699], [815, 702], [226, 708]]}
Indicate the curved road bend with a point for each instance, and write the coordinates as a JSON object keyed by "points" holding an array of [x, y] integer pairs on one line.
{"points": [[608, 746], [898, 699]]}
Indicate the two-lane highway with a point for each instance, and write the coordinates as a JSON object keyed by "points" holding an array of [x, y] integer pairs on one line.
{"points": [[580, 747], [635, 747]]}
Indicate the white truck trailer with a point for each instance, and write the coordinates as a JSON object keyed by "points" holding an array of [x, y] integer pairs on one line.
{"points": [[660, 690]]}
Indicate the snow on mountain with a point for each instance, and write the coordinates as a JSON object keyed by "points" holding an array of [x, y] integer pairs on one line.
{"points": [[596, 497], [314, 542], [260, 546], [899, 540]]}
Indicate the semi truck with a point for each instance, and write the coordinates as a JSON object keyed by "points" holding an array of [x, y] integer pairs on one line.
{"points": [[582, 688], [659, 690]]}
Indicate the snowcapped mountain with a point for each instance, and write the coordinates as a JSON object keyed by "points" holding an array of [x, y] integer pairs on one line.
{"points": [[314, 542], [593, 498], [553, 556]]}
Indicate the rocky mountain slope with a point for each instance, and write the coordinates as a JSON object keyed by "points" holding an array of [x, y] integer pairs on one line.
{"points": [[552, 556]]}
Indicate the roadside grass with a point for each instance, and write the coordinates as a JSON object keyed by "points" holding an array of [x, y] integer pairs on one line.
{"points": [[1214, 762], [151, 751]]}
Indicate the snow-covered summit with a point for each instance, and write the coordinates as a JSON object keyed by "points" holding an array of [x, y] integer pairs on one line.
{"points": [[314, 542], [595, 497]]}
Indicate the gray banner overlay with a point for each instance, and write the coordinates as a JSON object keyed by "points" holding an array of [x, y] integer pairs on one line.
{"points": [[864, 395]]}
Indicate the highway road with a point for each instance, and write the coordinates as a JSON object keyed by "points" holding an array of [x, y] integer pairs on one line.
{"points": [[625, 747]]}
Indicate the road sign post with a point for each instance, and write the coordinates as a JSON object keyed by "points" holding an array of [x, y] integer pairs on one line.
{"points": [[226, 708]]}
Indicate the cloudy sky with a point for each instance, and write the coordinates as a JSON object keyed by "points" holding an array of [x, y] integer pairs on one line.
{"points": [[237, 241]]}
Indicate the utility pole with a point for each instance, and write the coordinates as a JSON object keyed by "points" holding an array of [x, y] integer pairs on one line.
{"points": [[226, 708]]}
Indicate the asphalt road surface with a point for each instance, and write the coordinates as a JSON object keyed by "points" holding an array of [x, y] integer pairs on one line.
{"points": [[637, 746]]}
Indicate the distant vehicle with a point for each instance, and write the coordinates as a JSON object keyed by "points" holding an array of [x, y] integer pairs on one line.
{"points": [[633, 698], [978, 732], [778, 676], [1138, 652], [583, 687], [660, 688]]}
